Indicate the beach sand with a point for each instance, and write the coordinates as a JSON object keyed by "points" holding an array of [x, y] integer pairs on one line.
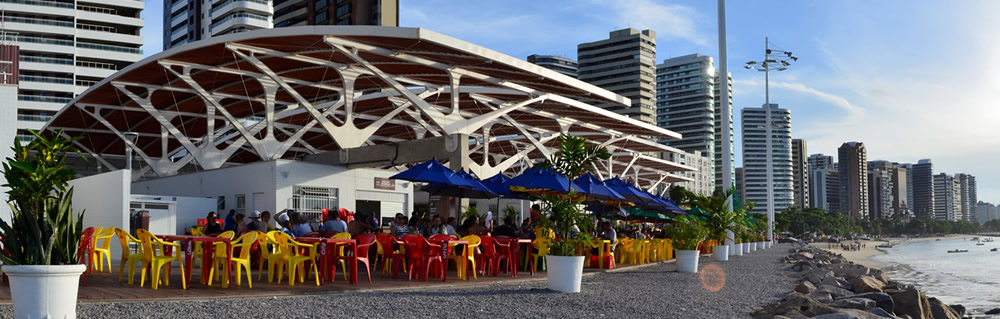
{"points": [[863, 255]]}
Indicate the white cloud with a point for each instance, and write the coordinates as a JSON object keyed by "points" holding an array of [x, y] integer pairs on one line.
{"points": [[670, 21]]}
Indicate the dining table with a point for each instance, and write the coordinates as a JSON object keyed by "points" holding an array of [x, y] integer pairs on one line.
{"points": [[445, 245], [330, 255], [208, 250]]}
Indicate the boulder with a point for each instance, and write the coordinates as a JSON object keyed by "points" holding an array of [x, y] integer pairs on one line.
{"points": [[821, 296], [850, 314], [960, 309], [849, 271], [863, 284], [796, 303], [803, 265], [805, 255], [854, 303], [835, 291], [878, 274], [882, 312], [994, 311], [882, 300], [911, 302], [805, 287], [940, 310], [816, 276], [838, 282]]}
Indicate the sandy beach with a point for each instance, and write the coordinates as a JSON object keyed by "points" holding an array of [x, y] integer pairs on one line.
{"points": [[863, 255]]}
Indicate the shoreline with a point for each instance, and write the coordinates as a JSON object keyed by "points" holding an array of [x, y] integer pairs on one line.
{"points": [[864, 255]]}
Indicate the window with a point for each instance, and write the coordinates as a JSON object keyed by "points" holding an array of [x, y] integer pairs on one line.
{"points": [[241, 203], [321, 17], [310, 201], [345, 9], [320, 5]]}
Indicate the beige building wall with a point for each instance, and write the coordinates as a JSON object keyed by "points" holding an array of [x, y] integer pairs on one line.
{"points": [[625, 63]]}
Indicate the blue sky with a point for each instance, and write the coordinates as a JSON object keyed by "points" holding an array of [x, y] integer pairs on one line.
{"points": [[911, 79]]}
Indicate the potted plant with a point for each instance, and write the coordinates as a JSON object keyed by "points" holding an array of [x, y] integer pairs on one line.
{"points": [[721, 221], [565, 214], [686, 234], [41, 241]]}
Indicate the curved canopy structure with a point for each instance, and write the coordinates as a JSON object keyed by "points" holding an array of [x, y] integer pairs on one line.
{"points": [[289, 92]]}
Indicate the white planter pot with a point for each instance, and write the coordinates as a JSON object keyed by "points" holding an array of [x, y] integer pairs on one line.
{"points": [[746, 248], [739, 249], [768, 244], [732, 248], [721, 252], [564, 272], [687, 260], [44, 291], [753, 246]]}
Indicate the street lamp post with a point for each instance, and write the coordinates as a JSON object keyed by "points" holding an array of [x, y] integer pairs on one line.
{"points": [[777, 60]]}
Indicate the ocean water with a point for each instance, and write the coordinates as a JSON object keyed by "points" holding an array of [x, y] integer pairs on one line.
{"points": [[971, 279]]}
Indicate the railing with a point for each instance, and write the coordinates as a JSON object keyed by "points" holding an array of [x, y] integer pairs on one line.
{"points": [[39, 21], [30, 39], [97, 9], [95, 27], [39, 59], [264, 2], [34, 118], [238, 15], [45, 79], [86, 83], [41, 3], [37, 98], [106, 47], [25, 138], [97, 65]]}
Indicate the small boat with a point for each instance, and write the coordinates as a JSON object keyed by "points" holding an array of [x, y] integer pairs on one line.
{"points": [[980, 244], [994, 249], [958, 251]]}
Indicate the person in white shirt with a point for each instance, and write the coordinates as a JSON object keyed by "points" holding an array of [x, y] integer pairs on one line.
{"points": [[333, 224], [489, 220]]}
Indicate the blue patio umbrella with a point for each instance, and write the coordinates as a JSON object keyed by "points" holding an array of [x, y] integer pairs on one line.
{"points": [[629, 191], [471, 188], [594, 188], [540, 180], [666, 205], [608, 211], [431, 171]]}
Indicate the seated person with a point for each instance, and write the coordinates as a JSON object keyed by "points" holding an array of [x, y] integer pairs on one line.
{"points": [[255, 223], [507, 229], [241, 224], [283, 222], [333, 224], [401, 228], [359, 225], [212, 226], [436, 227], [606, 232], [471, 227], [452, 225], [300, 224]]}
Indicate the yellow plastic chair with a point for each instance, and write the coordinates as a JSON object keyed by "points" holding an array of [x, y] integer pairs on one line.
{"points": [[102, 251], [199, 249], [644, 247], [296, 254], [625, 251], [603, 249], [542, 245], [156, 262], [668, 245], [124, 238], [270, 251], [462, 262], [343, 264], [240, 262]]}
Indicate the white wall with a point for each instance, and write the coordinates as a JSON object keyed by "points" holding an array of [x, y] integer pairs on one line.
{"points": [[349, 182], [8, 131], [189, 209], [104, 200], [245, 179]]}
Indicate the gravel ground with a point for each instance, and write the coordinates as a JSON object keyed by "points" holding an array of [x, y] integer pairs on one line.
{"points": [[656, 291]]}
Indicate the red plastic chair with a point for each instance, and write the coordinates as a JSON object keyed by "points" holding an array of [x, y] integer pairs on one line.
{"points": [[390, 256], [422, 254], [83, 253], [312, 234], [365, 242], [492, 255]]}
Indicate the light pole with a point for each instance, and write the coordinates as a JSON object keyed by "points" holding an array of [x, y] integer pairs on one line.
{"points": [[777, 60]]}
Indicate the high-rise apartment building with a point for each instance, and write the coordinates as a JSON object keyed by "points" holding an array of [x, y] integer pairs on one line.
{"points": [[556, 63], [944, 197], [192, 20], [923, 189], [909, 188], [65, 47], [823, 191], [755, 157], [739, 178], [900, 185], [718, 130], [967, 199], [985, 212], [703, 182], [9, 52], [880, 189], [800, 173], [853, 166], [625, 63]]}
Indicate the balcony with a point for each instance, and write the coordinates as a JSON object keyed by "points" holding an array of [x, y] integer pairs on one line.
{"points": [[261, 7], [49, 7], [246, 20]]}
